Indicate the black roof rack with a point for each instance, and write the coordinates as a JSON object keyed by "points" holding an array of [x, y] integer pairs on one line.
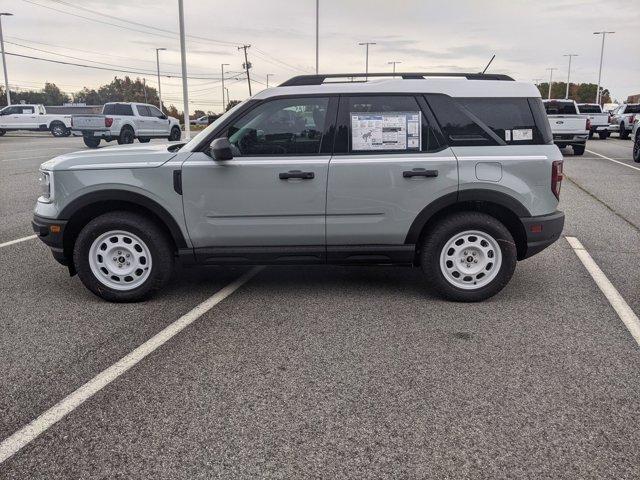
{"points": [[319, 79]]}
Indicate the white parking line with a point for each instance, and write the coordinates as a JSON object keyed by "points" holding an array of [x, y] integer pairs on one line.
{"points": [[72, 401], [17, 240], [622, 308], [612, 160]]}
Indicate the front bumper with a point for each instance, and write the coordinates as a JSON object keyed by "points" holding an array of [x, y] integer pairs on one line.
{"points": [[51, 232], [542, 231]]}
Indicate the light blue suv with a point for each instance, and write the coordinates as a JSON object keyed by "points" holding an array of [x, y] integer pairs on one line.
{"points": [[454, 173]]}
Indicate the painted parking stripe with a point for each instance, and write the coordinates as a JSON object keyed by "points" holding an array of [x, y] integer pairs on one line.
{"points": [[612, 160], [26, 434], [18, 240], [622, 308]]}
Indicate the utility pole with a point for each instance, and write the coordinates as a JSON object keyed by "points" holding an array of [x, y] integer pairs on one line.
{"points": [[228, 98], [4, 60], [183, 57], [604, 34], [269, 75], [550, 80], [224, 105], [246, 65], [144, 87], [159, 88], [317, 35], [570, 55], [394, 67], [366, 63]]}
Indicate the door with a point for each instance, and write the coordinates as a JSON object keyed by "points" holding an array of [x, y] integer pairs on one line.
{"points": [[145, 121], [273, 192], [160, 124], [390, 162]]}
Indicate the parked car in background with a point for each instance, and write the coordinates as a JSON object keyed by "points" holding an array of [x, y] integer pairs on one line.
{"points": [[33, 117], [635, 135], [599, 120], [203, 120], [609, 107], [568, 126], [456, 176], [124, 122], [623, 117]]}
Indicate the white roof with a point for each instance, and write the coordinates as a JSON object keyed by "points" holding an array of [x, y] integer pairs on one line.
{"points": [[452, 86]]}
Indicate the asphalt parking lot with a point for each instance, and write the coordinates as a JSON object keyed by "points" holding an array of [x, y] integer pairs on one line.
{"points": [[331, 372]]}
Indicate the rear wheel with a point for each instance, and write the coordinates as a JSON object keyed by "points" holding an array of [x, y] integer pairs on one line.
{"points": [[91, 142], [123, 257], [468, 257], [590, 134], [603, 135], [127, 136], [636, 147], [578, 149], [58, 129], [623, 131], [175, 134], [2, 132]]}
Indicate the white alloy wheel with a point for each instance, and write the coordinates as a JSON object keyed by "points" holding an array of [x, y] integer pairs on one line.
{"points": [[120, 260], [470, 260]]}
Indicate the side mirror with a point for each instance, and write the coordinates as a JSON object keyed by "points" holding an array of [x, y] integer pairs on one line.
{"points": [[162, 117], [221, 149]]}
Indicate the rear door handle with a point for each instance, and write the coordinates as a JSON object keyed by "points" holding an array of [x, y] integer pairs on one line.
{"points": [[419, 172], [296, 174]]}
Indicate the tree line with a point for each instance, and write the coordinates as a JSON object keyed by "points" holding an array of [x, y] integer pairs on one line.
{"points": [[580, 92]]}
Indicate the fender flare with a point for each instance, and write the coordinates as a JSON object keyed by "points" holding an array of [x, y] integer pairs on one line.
{"points": [[472, 195], [130, 197]]}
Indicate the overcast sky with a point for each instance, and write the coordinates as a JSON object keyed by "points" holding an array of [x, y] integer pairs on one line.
{"points": [[425, 35]]}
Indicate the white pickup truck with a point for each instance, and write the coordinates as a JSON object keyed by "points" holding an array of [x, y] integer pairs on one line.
{"points": [[622, 118], [125, 122], [33, 117], [568, 126], [599, 120]]}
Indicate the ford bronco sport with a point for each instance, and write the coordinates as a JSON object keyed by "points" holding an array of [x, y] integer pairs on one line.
{"points": [[454, 173]]}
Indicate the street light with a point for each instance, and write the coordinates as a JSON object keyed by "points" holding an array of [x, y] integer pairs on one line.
{"points": [[366, 64], [159, 88], [604, 34], [269, 75], [224, 105], [550, 80], [570, 55], [394, 66], [4, 60], [183, 58], [317, 35]]}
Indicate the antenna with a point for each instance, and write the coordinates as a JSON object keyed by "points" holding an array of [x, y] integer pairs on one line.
{"points": [[485, 68]]}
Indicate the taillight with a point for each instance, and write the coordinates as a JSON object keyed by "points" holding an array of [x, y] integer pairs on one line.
{"points": [[108, 121], [633, 119], [556, 178], [72, 121], [610, 118], [588, 124]]}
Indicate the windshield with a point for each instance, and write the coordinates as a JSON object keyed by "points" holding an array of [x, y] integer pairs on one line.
{"points": [[204, 133]]}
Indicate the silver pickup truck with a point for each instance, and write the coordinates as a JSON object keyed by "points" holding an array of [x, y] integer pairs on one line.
{"points": [[623, 117], [568, 126], [598, 118]]}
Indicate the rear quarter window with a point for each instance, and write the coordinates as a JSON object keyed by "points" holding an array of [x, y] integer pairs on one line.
{"points": [[109, 109]]}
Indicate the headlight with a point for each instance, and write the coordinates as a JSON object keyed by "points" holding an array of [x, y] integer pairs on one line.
{"points": [[45, 185]]}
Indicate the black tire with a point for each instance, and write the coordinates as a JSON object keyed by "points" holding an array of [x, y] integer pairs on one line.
{"points": [[623, 132], [441, 233], [144, 140], [91, 142], [2, 132], [636, 147], [604, 135], [59, 129], [157, 241], [127, 136], [590, 134], [175, 134], [578, 149]]}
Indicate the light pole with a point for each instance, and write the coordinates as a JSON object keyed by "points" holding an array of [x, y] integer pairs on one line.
{"points": [[183, 57], [228, 98], [550, 80], [604, 34], [570, 55], [269, 75], [224, 105], [4, 60], [366, 63], [159, 88], [317, 35], [394, 66]]}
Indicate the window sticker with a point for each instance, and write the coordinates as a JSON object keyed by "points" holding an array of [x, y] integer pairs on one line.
{"points": [[26, 111], [386, 131], [522, 134]]}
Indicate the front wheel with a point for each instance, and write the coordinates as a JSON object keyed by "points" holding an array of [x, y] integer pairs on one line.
{"points": [[91, 142], [623, 132], [175, 134], [123, 257], [468, 257], [636, 147], [578, 149]]}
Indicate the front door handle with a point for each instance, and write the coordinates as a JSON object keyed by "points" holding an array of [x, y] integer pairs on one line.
{"points": [[296, 174], [419, 172]]}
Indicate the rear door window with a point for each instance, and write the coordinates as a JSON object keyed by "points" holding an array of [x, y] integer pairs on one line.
{"points": [[143, 111], [632, 109], [124, 110]]}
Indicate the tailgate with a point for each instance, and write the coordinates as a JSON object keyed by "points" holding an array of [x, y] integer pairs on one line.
{"points": [[598, 119], [88, 122], [568, 123]]}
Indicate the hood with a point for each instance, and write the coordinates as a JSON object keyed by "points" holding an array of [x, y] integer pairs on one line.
{"points": [[143, 156]]}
